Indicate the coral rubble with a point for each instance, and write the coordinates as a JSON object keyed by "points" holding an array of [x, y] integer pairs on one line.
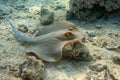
{"points": [[32, 69]]}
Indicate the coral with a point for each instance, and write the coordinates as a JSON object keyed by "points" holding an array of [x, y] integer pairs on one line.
{"points": [[92, 10], [109, 5]]}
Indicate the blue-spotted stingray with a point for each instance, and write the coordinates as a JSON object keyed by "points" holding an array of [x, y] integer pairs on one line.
{"points": [[49, 45]]}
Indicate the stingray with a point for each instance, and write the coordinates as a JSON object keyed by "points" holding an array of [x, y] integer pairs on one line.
{"points": [[49, 45]]}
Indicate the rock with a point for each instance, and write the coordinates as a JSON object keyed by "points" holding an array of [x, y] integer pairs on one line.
{"points": [[32, 69], [5, 12], [70, 15], [116, 59], [14, 70], [76, 51], [98, 26], [1, 11], [4, 1], [103, 75], [22, 28], [98, 67], [114, 73], [1, 14], [59, 7], [114, 47], [91, 33], [34, 31], [3, 66], [20, 7], [47, 17]]}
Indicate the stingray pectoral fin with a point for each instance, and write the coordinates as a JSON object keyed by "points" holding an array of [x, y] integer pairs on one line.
{"points": [[50, 50]]}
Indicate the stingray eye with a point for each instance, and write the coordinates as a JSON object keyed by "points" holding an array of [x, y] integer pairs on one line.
{"points": [[69, 35]]}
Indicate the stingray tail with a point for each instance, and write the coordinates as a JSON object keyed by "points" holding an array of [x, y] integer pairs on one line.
{"points": [[16, 32]]}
